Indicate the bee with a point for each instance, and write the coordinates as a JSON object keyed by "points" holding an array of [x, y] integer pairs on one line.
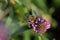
{"points": [[32, 18]]}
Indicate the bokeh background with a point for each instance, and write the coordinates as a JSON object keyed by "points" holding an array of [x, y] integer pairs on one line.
{"points": [[15, 15]]}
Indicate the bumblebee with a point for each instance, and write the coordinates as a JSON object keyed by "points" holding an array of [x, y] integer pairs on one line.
{"points": [[32, 18]]}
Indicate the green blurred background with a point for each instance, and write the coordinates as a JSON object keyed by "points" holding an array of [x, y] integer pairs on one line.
{"points": [[16, 18]]}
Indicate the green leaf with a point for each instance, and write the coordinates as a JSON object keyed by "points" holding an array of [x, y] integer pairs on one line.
{"points": [[40, 4], [20, 30]]}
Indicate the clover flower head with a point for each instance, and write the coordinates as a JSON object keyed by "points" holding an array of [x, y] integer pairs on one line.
{"points": [[40, 25]]}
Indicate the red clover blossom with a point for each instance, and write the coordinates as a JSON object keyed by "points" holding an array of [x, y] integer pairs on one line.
{"points": [[39, 25]]}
